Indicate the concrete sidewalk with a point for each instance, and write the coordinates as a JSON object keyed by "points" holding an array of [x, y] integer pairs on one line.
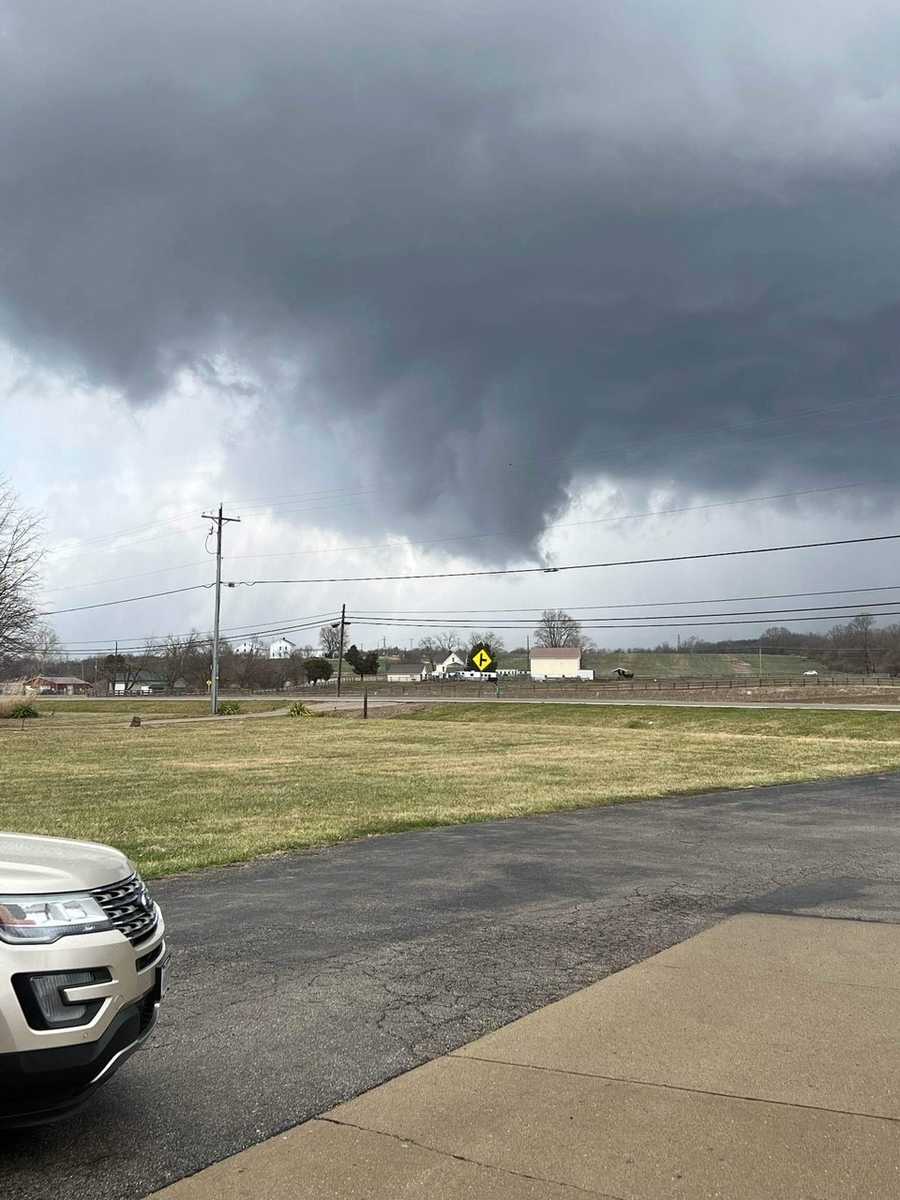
{"points": [[757, 1061]]}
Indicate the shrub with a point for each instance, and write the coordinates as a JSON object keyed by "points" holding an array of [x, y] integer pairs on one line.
{"points": [[229, 708], [299, 709], [316, 669], [14, 709]]}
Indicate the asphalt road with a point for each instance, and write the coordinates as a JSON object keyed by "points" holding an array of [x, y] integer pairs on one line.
{"points": [[645, 700], [301, 981]]}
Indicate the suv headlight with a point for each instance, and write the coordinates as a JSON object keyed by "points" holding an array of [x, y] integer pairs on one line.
{"points": [[43, 919]]}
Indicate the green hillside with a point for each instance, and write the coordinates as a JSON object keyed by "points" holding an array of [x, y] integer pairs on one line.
{"points": [[647, 664], [708, 666]]}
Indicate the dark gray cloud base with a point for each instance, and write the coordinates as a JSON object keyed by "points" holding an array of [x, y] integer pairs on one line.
{"points": [[504, 247]]}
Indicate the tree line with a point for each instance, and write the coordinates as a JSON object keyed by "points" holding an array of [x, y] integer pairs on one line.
{"points": [[28, 646]]}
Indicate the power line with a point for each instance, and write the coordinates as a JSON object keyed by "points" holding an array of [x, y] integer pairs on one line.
{"points": [[290, 501], [80, 587], [470, 537], [181, 525], [625, 562], [147, 527], [462, 537], [526, 623], [570, 608], [825, 613], [91, 650], [55, 612], [592, 626], [453, 615], [177, 518], [234, 631], [287, 499]]}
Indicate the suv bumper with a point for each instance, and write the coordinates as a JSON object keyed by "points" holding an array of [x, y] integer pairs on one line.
{"points": [[43, 1085], [45, 1073]]}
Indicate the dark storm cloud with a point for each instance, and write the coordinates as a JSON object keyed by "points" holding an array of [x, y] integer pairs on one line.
{"points": [[507, 246]]}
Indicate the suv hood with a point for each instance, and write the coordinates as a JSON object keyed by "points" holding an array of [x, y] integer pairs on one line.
{"points": [[42, 865]]}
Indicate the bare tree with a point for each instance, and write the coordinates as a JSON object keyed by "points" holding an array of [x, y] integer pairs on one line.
{"points": [[126, 669], [20, 556], [330, 640], [446, 642], [175, 657], [860, 628], [488, 638], [557, 628], [46, 647]]}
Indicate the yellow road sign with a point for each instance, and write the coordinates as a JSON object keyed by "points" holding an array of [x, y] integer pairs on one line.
{"points": [[482, 659]]}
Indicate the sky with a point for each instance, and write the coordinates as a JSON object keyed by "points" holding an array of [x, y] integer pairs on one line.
{"points": [[442, 288]]}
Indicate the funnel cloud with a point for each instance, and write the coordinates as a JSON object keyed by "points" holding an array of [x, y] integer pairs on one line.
{"points": [[496, 251]]}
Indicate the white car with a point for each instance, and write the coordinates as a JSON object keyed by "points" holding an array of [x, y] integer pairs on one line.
{"points": [[811, 674], [83, 968]]}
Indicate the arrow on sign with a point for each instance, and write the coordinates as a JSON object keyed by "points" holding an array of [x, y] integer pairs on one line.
{"points": [[482, 660]]}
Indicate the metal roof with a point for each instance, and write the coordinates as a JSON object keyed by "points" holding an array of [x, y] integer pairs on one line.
{"points": [[556, 652]]}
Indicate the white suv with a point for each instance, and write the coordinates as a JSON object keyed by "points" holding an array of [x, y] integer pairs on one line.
{"points": [[83, 968]]}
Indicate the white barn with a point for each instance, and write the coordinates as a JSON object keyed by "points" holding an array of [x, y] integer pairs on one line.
{"points": [[406, 672], [558, 662]]}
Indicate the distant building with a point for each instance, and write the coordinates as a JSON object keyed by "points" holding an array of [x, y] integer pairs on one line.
{"points": [[450, 664], [433, 667], [58, 685], [407, 672], [558, 662], [282, 648], [251, 645], [144, 685]]}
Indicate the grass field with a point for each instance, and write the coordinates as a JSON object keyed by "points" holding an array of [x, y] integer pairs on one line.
{"points": [[63, 709], [178, 797]]}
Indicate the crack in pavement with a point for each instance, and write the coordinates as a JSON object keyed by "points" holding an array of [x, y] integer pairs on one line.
{"points": [[474, 1162], [302, 981]]}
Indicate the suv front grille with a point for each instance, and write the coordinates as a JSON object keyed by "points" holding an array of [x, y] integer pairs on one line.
{"points": [[129, 908]]}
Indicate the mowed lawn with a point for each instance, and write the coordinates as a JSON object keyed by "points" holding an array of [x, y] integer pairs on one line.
{"points": [[120, 710], [183, 796]]}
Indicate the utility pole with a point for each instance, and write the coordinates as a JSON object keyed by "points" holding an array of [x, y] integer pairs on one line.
{"points": [[218, 521], [341, 651]]}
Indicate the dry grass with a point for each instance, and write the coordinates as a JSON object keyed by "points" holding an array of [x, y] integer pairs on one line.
{"points": [[80, 710], [185, 796]]}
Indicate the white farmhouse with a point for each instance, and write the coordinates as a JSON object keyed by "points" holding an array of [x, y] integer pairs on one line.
{"points": [[281, 648], [443, 664], [558, 662], [450, 664], [251, 645]]}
